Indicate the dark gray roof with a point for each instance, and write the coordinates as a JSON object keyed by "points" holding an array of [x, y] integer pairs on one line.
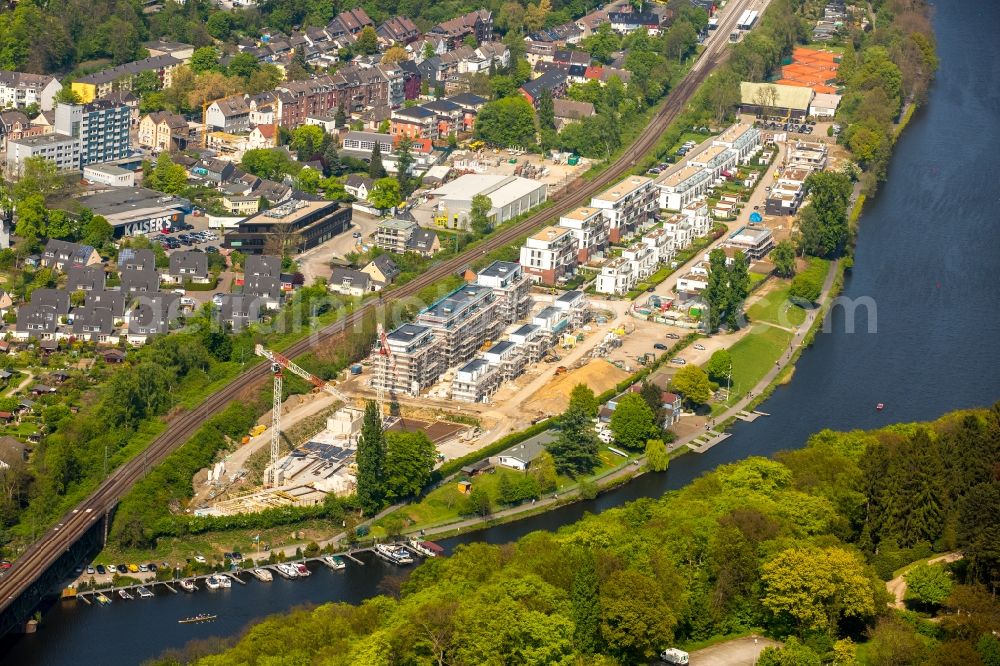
{"points": [[421, 240], [386, 265], [90, 320], [350, 278], [113, 301], [189, 263], [154, 314], [140, 260], [139, 281], [56, 299], [262, 286], [262, 264], [130, 69], [239, 311], [89, 278]]}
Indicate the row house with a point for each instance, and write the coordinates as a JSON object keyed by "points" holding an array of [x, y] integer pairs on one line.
{"points": [[397, 30], [60, 255], [691, 285], [743, 138], [230, 114], [90, 87], [550, 255], [350, 21], [643, 259], [477, 24], [627, 206], [616, 277], [353, 88], [660, 242], [682, 184], [590, 229], [717, 161], [680, 229]]}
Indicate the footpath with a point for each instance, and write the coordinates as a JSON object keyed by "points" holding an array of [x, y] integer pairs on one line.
{"points": [[613, 476]]}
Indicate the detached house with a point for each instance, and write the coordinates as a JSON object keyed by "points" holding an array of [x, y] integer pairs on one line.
{"points": [[264, 288], [188, 267], [382, 271], [350, 282], [237, 312], [63, 255], [359, 186]]}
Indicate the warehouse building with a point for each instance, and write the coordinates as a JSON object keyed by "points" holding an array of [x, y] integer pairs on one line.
{"points": [[510, 196], [133, 211], [775, 100]]}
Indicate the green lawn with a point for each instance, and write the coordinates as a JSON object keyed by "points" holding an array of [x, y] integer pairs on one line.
{"points": [[753, 356], [776, 308]]}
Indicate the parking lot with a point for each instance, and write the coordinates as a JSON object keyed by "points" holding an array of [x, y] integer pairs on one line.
{"points": [[190, 237]]}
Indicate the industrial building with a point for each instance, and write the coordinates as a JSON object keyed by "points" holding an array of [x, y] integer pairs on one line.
{"points": [[134, 211], [300, 224], [510, 196]]}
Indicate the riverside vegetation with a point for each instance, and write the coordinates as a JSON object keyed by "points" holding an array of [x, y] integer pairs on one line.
{"points": [[796, 547]]}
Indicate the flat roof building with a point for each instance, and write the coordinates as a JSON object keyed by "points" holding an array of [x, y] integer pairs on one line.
{"points": [[510, 196], [306, 223], [549, 255], [416, 361], [626, 205], [463, 321], [134, 211], [755, 242]]}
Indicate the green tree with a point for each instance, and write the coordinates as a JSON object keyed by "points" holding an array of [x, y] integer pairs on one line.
{"points": [[371, 460], [479, 502], [657, 458], [692, 383], [308, 141], [167, 176], [583, 398], [652, 394], [507, 122], [816, 587], [719, 365], [602, 43], [146, 82], [219, 25], [375, 168], [823, 223], [404, 163], [633, 422], [546, 111], [928, 584], [367, 42], [97, 231], [586, 599], [739, 288], [479, 214], [268, 163], [716, 292], [783, 257], [243, 65], [635, 617], [410, 457], [576, 446], [806, 286], [543, 470], [792, 653], [205, 59], [340, 118], [385, 194]]}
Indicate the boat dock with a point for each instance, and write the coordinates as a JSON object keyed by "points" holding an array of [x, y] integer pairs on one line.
{"points": [[147, 589]]}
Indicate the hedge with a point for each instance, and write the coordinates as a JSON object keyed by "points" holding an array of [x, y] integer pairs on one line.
{"points": [[452, 466]]}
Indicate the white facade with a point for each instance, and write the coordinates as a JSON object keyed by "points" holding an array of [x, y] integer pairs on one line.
{"points": [[107, 174], [590, 229], [743, 138], [643, 259], [682, 184], [549, 255], [19, 90], [715, 160], [510, 196], [64, 151], [661, 243], [616, 277], [626, 206]]}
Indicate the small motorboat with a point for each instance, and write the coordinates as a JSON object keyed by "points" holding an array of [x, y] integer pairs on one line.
{"points": [[426, 548], [125, 595], [212, 582], [103, 600], [144, 592], [334, 562], [286, 570], [263, 575], [879, 407], [394, 554], [301, 569], [200, 617], [224, 581], [188, 585]]}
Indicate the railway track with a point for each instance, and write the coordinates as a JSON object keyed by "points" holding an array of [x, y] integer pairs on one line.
{"points": [[57, 540]]}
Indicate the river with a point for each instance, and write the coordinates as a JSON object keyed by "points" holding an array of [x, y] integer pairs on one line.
{"points": [[928, 256]]}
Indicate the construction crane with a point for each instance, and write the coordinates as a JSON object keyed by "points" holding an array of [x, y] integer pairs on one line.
{"points": [[386, 361], [278, 363]]}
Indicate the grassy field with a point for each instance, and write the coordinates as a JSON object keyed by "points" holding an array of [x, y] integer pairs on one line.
{"points": [[776, 308], [752, 357]]}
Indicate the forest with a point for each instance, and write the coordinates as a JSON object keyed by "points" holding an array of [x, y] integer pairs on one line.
{"points": [[797, 548]]}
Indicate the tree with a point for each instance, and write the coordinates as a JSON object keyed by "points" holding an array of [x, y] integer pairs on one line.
{"points": [[219, 25], [308, 141], [97, 231], [543, 470], [739, 288], [716, 292], [692, 383], [428, 50], [582, 397], [546, 111], [783, 258], [479, 214], [308, 180], [375, 168], [602, 43], [511, 17], [633, 422], [507, 122], [928, 584], [404, 163], [576, 446], [792, 653], [395, 55], [586, 599], [167, 176], [371, 475], [367, 41], [146, 82], [67, 95], [652, 394], [635, 618], [535, 15], [340, 118], [806, 287], [243, 65], [332, 166], [479, 502], [814, 588], [657, 458], [823, 223], [266, 77], [385, 194], [719, 365], [410, 457], [205, 59], [268, 163]]}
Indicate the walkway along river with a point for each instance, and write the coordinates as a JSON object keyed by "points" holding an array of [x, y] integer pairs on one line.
{"points": [[928, 254]]}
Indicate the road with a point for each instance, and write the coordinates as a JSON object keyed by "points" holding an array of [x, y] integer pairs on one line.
{"points": [[57, 540]]}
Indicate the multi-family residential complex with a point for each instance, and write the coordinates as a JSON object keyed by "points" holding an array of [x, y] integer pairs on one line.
{"points": [[18, 90], [90, 87], [512, 287], [82, 134], [682, 184], [549, 255], [627, 206], [590, 229]]}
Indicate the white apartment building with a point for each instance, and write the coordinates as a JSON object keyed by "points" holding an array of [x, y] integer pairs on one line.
{"points": [[808, 155], [693, 283], [549, 255], [61, 149], [682, 184], [590, 229], [416, 361], [697, 213], [718, 161], [642, 258], [660, 241], [681, 230], [475, 381], [512, 288], [616, 277], [743, 138], [627, 206], [755, 242], [18, 90]]}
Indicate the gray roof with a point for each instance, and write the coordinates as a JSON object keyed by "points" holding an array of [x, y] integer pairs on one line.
{"points": [[350, 278], [500, 269], [191, 263], [88, 278], [262, 264], [113, 301], [56, 299], [386, 265], [262, 285], [154, 314], [64, 251], [130, 69], [239, 311], [140, 260], [139, 281], [88, 319], [421, 240]]}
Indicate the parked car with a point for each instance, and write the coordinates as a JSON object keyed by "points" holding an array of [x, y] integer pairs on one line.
{"points": [[101, 569], [659, 345], [699, 347], [677, 360], [673, 336], [91, 570], [200, 559]]}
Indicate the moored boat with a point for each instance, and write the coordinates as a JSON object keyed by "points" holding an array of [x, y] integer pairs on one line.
{"points": [[224, 580], [393, 553], [286, 570], [426, 548], [301, 569], [101, 599], [263, 575], [334, 562], [144, 592], [188, 585], [212, 582], [125, 595]]}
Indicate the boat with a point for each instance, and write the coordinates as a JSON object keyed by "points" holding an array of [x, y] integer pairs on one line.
{"points": [[103, 600], [263, 575], [393, 553], [125, 595], [879, 407], [212, 582], [224, 580], [188, 585], [286, 570], [200, 617], [144, 592], [301, 569], [334, 562], [426, 548]]}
